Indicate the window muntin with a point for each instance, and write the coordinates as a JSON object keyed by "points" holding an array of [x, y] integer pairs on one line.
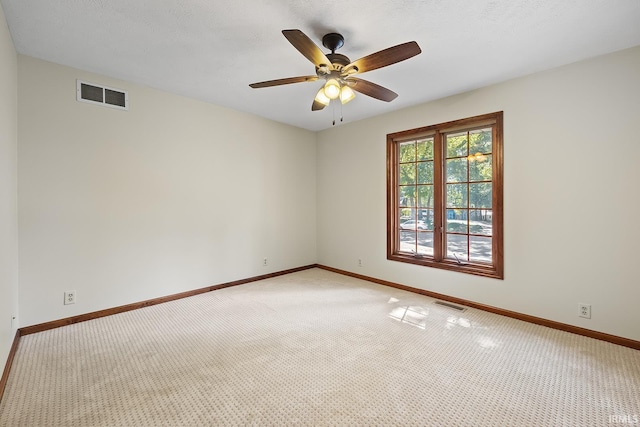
{"points": [[445, 196]]}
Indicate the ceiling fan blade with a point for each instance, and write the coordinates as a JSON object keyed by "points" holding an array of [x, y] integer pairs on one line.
{"points": [[317, 105], [305, 46], [286, 81], [371, 89], [385, 57]]}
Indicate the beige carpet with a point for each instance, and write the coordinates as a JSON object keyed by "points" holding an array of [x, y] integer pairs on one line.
{"points": [[317, 348]]}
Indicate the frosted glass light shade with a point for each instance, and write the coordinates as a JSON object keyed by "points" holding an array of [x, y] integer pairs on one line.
{"points": [[332, 89], [322, 98], [346, 94]]}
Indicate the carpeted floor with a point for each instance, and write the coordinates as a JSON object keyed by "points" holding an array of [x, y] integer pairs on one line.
{"points": [[317, 348]]}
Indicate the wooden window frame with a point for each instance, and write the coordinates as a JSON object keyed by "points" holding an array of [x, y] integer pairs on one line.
{"points": [[495, 269]]}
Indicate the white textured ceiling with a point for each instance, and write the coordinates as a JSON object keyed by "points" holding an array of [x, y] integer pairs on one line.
{"points": [[212, 49]]}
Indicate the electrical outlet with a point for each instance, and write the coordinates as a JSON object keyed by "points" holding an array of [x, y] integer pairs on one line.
{"points": [[264, 262], [359, 262], [584, 310], [69, 297]]}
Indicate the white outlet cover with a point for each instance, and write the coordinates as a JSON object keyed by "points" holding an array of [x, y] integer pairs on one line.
{"points": [[584, 310], [69, 297]]}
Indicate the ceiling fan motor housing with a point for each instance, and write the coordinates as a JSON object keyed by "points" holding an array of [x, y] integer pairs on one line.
{"points": [[338, 62]]}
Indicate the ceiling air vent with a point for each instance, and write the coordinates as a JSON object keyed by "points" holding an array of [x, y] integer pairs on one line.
{"points": [[97, 94]]}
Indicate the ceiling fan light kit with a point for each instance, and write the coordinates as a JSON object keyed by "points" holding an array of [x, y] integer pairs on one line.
{"points": [[338, 70]]}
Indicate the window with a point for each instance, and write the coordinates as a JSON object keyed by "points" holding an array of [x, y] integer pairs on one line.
{"points": [[444, 196]]}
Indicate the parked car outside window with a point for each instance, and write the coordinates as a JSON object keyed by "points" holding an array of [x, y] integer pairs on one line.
{"points": [[413, 224]]}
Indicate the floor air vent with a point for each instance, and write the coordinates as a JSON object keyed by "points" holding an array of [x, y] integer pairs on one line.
{"points": [[102, 95], [448, 304]]}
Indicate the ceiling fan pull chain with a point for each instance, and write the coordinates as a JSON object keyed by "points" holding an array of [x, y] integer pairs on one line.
{"points": [[334, 113]]}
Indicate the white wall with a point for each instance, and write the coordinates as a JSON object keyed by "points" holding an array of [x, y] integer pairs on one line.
{"points": [[8, 190], [571, 200], [173, 195]]}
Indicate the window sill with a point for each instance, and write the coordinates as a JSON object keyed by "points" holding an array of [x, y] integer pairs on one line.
{"points": [[470, 268]]}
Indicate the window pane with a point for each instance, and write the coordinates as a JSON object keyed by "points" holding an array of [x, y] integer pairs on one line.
{"points": [[425, 243], [480, 195], [457, 145], [457, 170], [426, 215], [407, 195], [480, 249], [457, 244], [425, 149], [457, 226], [425, 173], [457, 195], [407, 173], [408, 241], [481, 222], [406, 214], [407, 152], [425, 196], [480, 141], [480, 168]]}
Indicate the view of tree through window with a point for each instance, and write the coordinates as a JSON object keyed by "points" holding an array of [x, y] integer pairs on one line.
{"points": [[445, 195]]}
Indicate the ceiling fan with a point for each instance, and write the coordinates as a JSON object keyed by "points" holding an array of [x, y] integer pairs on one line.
{"points": [[338, 71]]}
